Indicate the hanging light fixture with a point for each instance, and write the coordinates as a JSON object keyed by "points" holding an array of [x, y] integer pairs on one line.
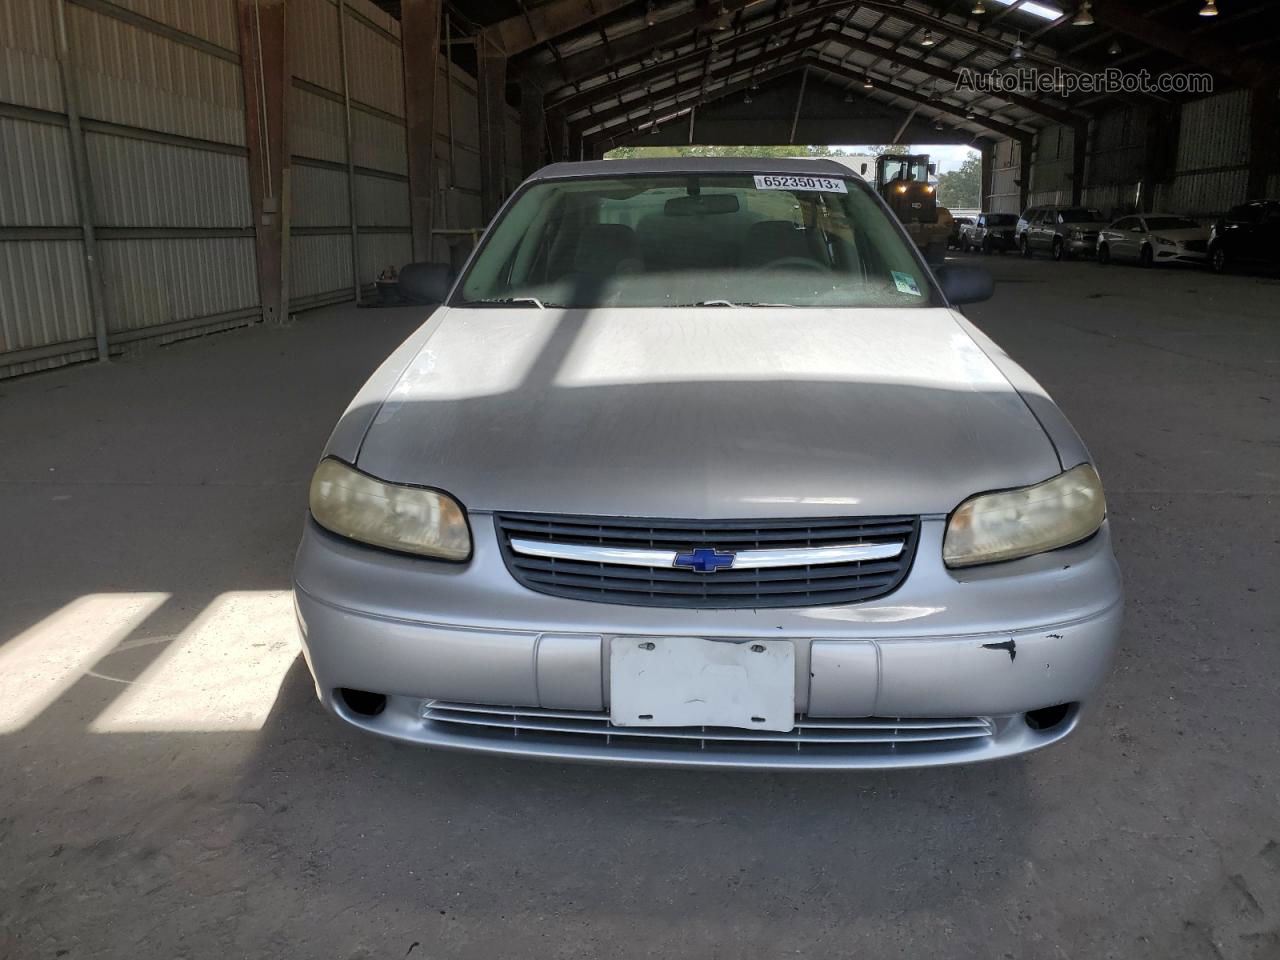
{"points": [[1114, 49], [928, 39], [866, 82], [937, 125], [978, 8], [970, 115], [1210, 8], [1017, 53], [650, 15], [1083, 18], [746, 97]]}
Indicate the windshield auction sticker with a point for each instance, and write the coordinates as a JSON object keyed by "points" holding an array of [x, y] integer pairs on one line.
{"points": [[905, 283], [772, 181]]}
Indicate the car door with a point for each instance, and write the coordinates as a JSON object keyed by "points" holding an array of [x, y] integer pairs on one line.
{"points": [[1130, 232], [1269, 234], [1238, 233], [1042, 232]]}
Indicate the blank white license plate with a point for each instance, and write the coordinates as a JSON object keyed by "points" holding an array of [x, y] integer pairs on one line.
{"points": [[692, 682]]}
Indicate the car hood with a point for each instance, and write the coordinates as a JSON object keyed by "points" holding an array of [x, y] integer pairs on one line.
{"points": [[712, 412]]}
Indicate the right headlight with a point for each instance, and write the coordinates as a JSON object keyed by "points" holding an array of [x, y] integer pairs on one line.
{"points": [[417, 520], [1018, 523]]}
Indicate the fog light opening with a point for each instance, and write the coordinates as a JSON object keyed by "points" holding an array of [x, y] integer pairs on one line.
{"points": [[1046, 718], [363, 702]]}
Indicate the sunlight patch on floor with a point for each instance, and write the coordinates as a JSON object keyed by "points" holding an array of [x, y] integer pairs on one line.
{"points": [[221, 673], [42, 663]]}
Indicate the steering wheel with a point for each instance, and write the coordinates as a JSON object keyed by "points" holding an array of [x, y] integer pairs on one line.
{"points": [[804, 263]]}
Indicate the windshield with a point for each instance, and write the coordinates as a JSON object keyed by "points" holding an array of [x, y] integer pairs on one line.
{"points": [[679, 240], [1080, 215], [1001, 219], [1171, 223]]}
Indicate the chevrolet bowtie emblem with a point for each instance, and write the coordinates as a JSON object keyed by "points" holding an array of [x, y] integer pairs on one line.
{"points": [[704, 560]]}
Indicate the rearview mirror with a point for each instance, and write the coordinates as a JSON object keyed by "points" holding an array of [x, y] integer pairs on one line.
{"points": [[426, 282], [696, 204], [965, 284]]}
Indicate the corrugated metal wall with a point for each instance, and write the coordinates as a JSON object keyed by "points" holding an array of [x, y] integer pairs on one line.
{"points": [[159, 90], [321, 264], [1212, 171], [161, 96], [1005, 196], [1051, 165]]}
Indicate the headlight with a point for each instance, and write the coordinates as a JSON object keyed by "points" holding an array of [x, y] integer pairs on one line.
{"points": [[410, 519], [1019, 523], [1164, 241]]}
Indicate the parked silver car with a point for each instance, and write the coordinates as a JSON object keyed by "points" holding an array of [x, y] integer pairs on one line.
{"points": [[699, 465], [1061, 232], [1151, 238], [989, 232]]}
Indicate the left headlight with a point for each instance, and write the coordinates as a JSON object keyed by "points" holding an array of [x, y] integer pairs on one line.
{"points": [[1018, 523], [409, 519]]}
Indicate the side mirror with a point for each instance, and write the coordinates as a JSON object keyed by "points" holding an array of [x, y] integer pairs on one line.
{"points": [[864, 169], [933, 168], [965, 284], [426, 282]]}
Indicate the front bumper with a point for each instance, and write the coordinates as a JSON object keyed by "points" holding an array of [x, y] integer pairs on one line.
{"points": [[1180, 255], [990, 644], [1083, 246]]}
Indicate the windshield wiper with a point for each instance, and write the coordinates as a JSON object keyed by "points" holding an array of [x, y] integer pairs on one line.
{"points": [[730, 303], [515, 301]]}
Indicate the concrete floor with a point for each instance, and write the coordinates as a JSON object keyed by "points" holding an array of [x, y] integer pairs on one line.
{"points": [[172, 789]]}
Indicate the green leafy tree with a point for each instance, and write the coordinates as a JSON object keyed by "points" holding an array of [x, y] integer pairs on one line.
{"points": [[697, 150], [962, 188]]}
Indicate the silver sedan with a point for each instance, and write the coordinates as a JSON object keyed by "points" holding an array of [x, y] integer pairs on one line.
{"points": [[1151, 238], [698, 465]]}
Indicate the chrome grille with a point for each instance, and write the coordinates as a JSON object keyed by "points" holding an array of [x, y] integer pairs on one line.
{"points": [[860, 734], [665, 586]]}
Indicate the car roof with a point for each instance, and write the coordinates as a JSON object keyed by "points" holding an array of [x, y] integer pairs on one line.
{"points": [[812, 167]]}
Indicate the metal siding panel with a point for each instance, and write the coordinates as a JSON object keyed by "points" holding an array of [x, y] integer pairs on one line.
{"points": [[378, 143], [1214, 132], [149, 282], [132, 76], [314, 54], [382, 202], [316, 127], [137, 183], [319, 197], [319, 265], [37, 188], [374, 68], [43, 295], [1203, 194], [28, 55], [212, 20]]}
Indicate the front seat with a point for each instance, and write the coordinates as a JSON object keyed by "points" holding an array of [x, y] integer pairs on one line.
{"points": [[769, 240]]}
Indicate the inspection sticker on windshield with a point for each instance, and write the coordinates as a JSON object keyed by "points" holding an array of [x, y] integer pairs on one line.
{"points": [[905, 283], [771, 181]]}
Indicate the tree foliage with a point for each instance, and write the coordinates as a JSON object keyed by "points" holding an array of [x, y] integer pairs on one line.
{"points": [[697, 150], [962, 188]]}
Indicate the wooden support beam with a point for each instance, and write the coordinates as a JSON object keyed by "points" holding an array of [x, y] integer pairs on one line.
{"points": [[934, 103], [1196, 48], [544, 23], [1024, 175], [599, 59], [1264, 138], [987, 158], [265, 74], [491, 103], [420, 39], [533, 127]]}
